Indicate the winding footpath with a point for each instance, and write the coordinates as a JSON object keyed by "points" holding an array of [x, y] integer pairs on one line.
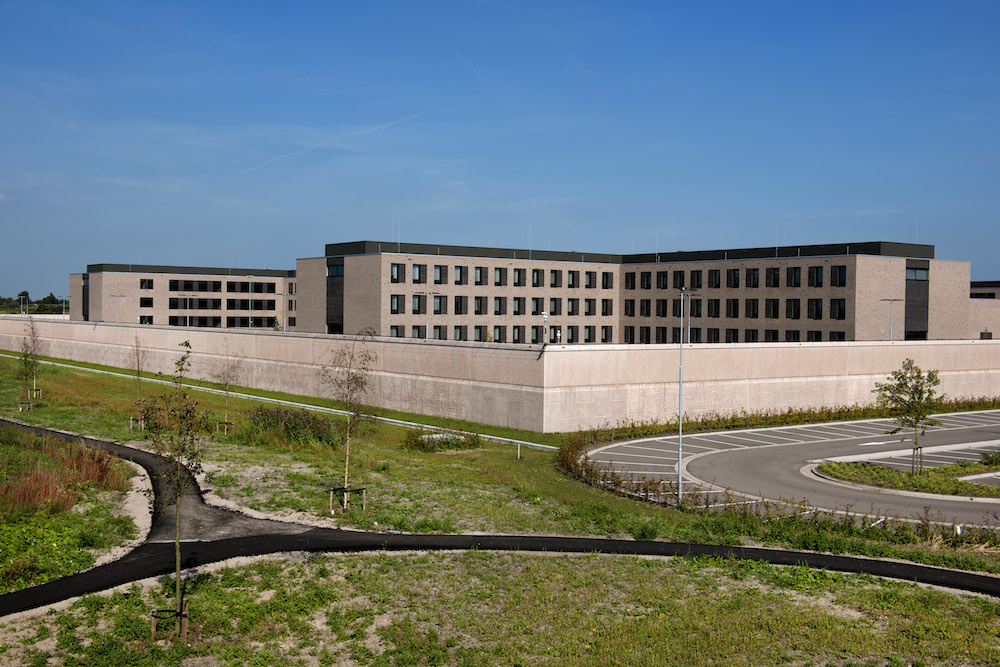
{"points": [[214, 534]]}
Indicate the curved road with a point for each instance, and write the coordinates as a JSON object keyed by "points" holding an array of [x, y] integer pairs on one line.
{"points": [[775, 464], [214, 534]]}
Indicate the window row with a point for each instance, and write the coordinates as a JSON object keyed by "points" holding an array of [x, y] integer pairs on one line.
{"points": [[498, 305], [245, 287], [751, 277], [712, 335], [187, 303], [751, 308], [502, 276], [498, 334]]}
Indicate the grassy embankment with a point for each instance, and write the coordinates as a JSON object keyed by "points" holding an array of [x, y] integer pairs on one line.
{"points": [[57, 504]]}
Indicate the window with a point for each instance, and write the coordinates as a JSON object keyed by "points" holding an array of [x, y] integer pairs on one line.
{"points": [[646, 280], [590, 279], [713, 308], [750, 310], [461, 306], [644, 308], [732, 307], [678, 279], [916, 274], [555, 306], [518, 305], [606, 307], [590, 306], [572, 334], [732, 335], [629, 335], [499, 334], [335, 271], [572, 306], [480, 305], [772, 277], [675, 335], [480, 275], [712, 336], [146, 302], [771, 309], [537, 305], [714, 282], [461, 332], [396, 331], [753, 279], [420, 276], [440, 275], [440, 305], [644, 335], [573, 279], [145, 319], [555, 278], [696, 279], [440, 332], [419, 304], [815, 309], [732, 278], [662, 279], [814, 336], [694, 335], [838, 277], [792, 309], [499, 305], [462, 276], [499, 277], [629, 307], [661, 307], [517, 334], [838, 309], [395, 303], [418, 332], [520, 277], [630, 280], [751, 336], [793, 276], [202, 286], [291, 288], [676, 307], [694, 307], [555, 334], [536, 335], [589, 334], [792, 336], [661, 335], [770, 335], [838, 335], [606, 334], [479, 334], [607, 280], [537, 277], [815, 276], [145, 283]]}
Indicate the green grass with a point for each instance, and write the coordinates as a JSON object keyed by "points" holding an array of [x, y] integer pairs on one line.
{"points": [[942, 480], [476, 608]]}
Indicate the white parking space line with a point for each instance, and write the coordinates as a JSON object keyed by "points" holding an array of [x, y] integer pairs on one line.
{"points": [[633, 456], [702, 438], [848, 431], [620, 448], [641, 466]]}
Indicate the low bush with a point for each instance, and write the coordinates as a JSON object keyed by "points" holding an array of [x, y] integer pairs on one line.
{"points": [[266, 425], [943, 480], [428, 441]]}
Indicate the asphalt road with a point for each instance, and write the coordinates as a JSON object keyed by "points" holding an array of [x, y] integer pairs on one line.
{"points": [[776, 463]]}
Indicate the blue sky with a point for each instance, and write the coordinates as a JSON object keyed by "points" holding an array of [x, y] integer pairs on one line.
{"points": [[250, 134]]}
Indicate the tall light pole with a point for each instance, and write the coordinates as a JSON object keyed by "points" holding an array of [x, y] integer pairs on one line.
{"points": [[685, 291], [545, 328], [119, 297], [427, 311], [891, 301]]}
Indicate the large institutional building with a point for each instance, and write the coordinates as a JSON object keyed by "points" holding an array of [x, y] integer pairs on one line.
{"points": [[839, 292]]}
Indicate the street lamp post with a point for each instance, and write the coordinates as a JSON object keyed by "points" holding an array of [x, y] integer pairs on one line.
{"points": [[891, 301], [118, 298], [685, 291], [545, 328]]}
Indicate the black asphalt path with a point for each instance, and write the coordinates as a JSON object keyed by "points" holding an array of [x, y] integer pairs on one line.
{"points": [[155, 557]]}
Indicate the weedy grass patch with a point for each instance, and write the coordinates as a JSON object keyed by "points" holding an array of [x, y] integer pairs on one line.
{"points": [[941, 480]]}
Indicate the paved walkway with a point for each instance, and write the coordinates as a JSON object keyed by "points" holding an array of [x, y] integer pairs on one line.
{"points": [[222, 534]]}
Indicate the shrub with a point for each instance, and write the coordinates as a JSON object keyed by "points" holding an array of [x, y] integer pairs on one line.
{"points": [[277, 425], [428, 441]]}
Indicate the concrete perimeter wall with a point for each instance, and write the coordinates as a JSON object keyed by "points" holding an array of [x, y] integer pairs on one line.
{"points": [[565, 388]]}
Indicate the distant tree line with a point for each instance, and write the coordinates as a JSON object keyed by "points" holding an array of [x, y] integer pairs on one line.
{"points": [[48, 304]]}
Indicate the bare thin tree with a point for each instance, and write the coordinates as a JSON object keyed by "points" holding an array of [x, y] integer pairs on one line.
{"points": [[137, 358], [349, 376], [227, 371], [28, 369]]}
